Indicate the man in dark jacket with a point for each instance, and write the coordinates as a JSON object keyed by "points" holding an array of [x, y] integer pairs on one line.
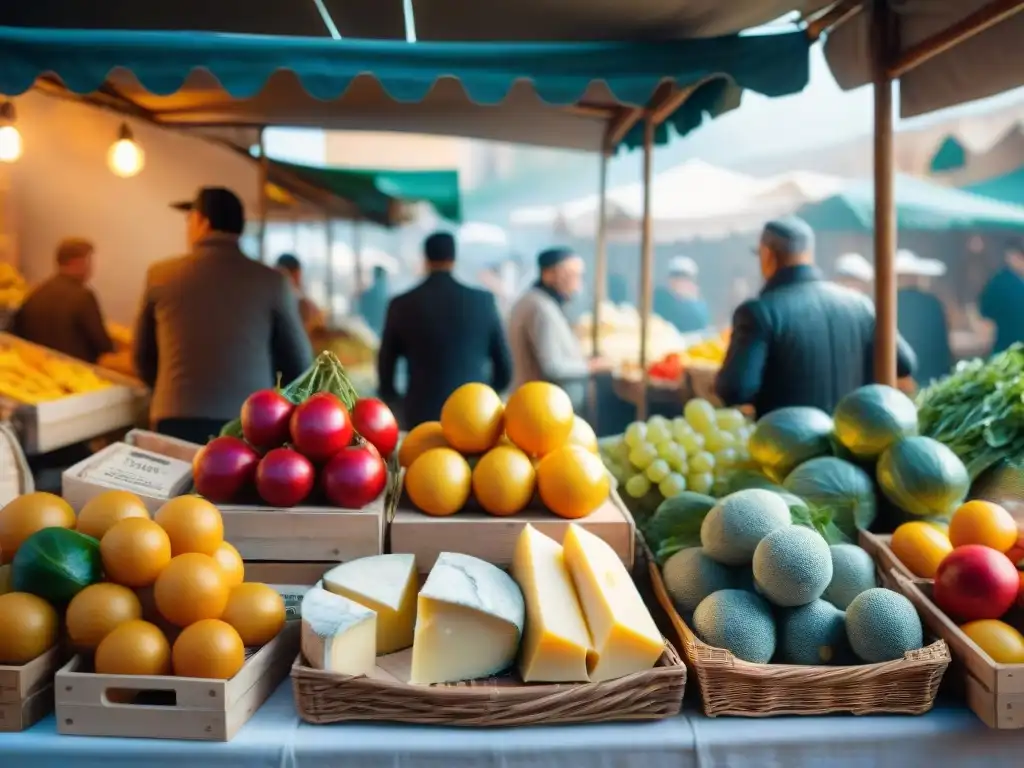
{"points": [[920, 316], [63, 313], [804, 340], [679, 302], [1003, 297], [448, 333]]}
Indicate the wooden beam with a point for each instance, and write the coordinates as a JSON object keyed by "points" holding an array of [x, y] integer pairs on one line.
{"points": [[984, 18], [619, 126], [833, 18], [646, 265]]}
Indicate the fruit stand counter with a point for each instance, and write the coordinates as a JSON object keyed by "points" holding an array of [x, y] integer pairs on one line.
{"points": [[275, 737]]}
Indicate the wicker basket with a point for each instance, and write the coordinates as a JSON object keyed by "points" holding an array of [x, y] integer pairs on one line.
{"points": [[730, 686], [327, 697]]}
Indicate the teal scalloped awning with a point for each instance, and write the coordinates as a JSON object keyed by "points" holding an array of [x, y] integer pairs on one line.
{"points": [[1008, 188], [920, 205], [950, 156], [555, 94], [374, 191]]}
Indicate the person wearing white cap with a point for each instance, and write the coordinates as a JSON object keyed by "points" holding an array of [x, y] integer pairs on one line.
{"points": [[803, 341], [855, 272], [679, 302], [920, 316]]}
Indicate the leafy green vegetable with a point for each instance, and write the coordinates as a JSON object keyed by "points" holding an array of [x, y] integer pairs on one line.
{"points": [[978, 410], [676, 523]]}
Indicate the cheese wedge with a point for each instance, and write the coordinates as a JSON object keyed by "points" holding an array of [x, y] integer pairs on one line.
{"points": [[469, 621], [386, 584], [556, 640], [625, 637], [338, 634]]}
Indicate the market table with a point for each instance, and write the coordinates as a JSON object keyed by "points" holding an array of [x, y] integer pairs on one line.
{"points": [[275, 738]]}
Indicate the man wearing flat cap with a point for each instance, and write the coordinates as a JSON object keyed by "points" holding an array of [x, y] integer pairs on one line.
{"points": [[544, 347], [448, 334], [679, 302], [215, 326], [804, 340]]}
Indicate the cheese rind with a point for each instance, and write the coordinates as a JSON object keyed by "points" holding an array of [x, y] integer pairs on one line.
{"points": [[469, 621], [385, 584], [338, 634], [625, 637], [556, 640]]}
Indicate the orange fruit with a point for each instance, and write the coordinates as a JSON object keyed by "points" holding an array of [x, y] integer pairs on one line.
{"points": [[921, 547], [583, 435], [985, 523], [257, 613], [134, 648], [230, 561], [101, 512], [30, 627], [210, 649], [504, 480], [539, 417], [572, 482], [135, 551], [420, 439], [471, 418], [97, 611], [191, 588], [999, 640], [30, 513], [193, 524], [439, 481]]}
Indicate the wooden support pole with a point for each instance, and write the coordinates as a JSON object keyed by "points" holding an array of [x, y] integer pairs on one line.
{"points": [[646, 262], [261, 198], [885, 198], [600, 282]]}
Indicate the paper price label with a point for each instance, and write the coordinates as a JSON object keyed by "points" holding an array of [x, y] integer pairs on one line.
{"points": [[141, 471]]}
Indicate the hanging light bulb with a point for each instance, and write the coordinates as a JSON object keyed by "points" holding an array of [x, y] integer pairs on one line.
{"points": [[10, 139], [125, 157]]}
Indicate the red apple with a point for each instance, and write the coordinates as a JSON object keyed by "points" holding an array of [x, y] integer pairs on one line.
{"points": [[975, 582], [354, 477], [320, 427], [376, 423], [223, 468], [284, 478], [265, 419]]}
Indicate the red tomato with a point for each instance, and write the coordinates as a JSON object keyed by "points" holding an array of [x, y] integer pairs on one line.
{"points": [[320, 427], [265, 417], [376, 423], [284, 478], [223, 468], [354, 477]]}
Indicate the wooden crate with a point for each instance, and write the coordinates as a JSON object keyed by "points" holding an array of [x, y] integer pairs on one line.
{"points": [[994, 691], [305, 534], [494, 538], [26, 691], [45, 427], [202, 710], [162, 444]]}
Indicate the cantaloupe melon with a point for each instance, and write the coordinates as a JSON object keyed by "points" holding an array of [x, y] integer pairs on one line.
{"points": [[853, 572], [738, 621], [690, 576], [882, 625], [735, 526], [813, 634], [792, 566]]}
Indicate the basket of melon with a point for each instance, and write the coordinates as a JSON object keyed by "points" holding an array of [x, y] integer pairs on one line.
{"points": [[161, 635]]}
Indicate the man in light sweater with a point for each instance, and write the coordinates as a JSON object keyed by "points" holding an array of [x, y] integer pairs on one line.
{"points": [[544, 347]]}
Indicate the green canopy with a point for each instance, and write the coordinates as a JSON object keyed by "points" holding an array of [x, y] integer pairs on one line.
{"points": [[950, 156], [555, 94], [376, 192], [1009, 188], [920, 205]]}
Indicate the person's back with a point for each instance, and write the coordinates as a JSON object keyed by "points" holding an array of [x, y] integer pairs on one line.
{"points": [[215, 327], [62, 313], [448, 333], [921, 320], [1002, 297], [679, 302]]}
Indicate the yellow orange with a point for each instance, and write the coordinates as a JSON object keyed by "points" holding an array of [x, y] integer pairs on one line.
{"points": [[210, 649], [135, 551], [539, 417], [472, 418], [193, 524], [97, 611], [985, 523], [134, 648], [230, 561], [572, 481], [29, 627], [583, 435], [439, 482], [504, 480], [27, 514], [420, 439], [191, 588], [921, 547], [257, 613], [101, 512], [996, 638]]}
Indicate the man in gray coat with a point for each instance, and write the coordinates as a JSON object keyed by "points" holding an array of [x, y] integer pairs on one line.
{"points": [[544, 347], [215, 326]]}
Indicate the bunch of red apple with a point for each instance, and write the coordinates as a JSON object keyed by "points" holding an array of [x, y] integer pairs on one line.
{"points": [[289, 450]]}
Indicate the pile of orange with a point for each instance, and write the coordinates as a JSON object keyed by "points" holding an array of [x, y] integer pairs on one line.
{"points": [[504, 454], [174, 600]]}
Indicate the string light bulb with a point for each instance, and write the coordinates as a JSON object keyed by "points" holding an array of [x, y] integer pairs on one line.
{"points": [[125, 157], [10, 138]]}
